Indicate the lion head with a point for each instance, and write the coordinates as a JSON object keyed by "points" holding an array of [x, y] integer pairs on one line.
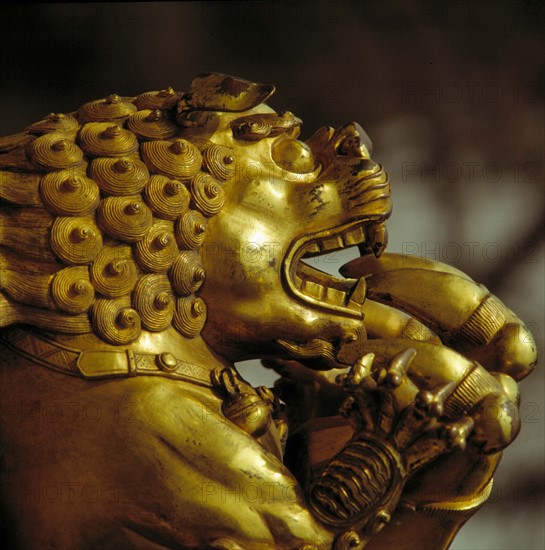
{"points": [[189, 210]]}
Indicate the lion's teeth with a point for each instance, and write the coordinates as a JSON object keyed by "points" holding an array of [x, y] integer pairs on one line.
{"points": [[331, 243], [312, 248], [335, 297], [358, 293], [329, 290], [315, 290], [378, 237], [354, 236]]}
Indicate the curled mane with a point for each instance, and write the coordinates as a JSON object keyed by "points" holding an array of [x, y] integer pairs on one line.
{"points": [[102, 214]]}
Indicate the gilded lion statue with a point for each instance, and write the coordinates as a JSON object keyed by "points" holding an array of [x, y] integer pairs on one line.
{"points": [[147, 244]]}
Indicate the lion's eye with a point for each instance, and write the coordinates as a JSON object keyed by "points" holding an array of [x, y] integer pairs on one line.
{"points": [[293, 155]]}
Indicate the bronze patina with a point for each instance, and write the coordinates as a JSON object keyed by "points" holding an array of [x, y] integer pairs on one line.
{"points": [[147, 244]]}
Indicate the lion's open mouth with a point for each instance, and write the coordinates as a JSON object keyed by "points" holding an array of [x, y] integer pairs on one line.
{"points": [[343, 296]]}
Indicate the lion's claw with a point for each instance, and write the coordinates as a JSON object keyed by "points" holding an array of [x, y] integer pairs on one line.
{"points": [[433, 403], [357, 373], [456, 434], [393, 375]]}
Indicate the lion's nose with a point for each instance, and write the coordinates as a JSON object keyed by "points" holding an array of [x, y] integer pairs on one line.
{"points": [[353, 141]]}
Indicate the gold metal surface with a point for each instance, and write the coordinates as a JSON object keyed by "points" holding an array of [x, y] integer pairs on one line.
{"points": [[149, 243]]}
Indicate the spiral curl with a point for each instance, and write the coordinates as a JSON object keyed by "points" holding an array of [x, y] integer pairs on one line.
{"points": [[160, 99], [152, 124], [54, 122], [111, 108], [125, 218], [207, 195], [178, 159], [114, 273], [190, 229], [157, 250], [54, 151], [251, 128], [166, 197], [72, 290], [187, 273], [189, 316], [119, 176], [154, 300], [220, 161], [68, 193], [76, 241], [107, 139], [115, 321]]}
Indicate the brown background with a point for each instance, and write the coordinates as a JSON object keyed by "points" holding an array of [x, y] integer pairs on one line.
{"points": [[451, 93]]}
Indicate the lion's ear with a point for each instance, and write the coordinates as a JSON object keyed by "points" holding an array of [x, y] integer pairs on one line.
{"points": [[220, 92]]}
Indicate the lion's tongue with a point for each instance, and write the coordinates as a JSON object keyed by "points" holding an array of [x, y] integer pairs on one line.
{"points": [[320, 351], [323, 353]]}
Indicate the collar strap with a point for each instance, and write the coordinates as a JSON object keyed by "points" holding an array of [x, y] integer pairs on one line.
{"points": [[101, 364]]}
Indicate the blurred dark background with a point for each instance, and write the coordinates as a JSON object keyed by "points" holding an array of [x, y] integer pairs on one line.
{"points": [[452, 94]]}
